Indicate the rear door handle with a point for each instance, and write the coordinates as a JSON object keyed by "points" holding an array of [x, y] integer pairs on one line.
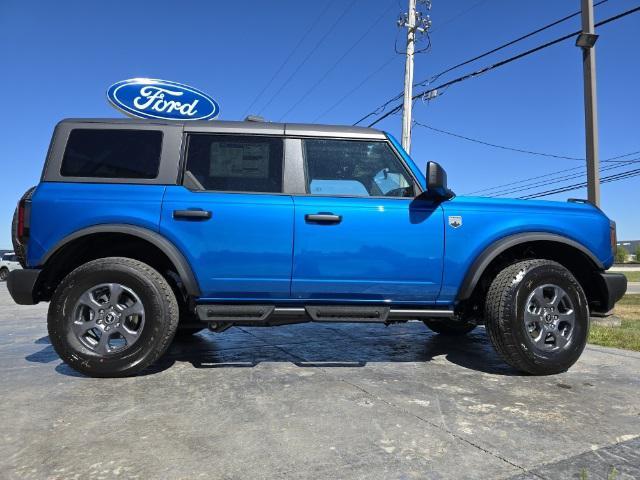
{"points": [[323, 218], [192, 214]]}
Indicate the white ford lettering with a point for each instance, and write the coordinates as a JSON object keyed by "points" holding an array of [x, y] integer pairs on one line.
{"points": [[154, 98]]}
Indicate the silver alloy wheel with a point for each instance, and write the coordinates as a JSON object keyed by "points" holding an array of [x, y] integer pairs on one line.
{"points": [[549, 318], [108, 318]]}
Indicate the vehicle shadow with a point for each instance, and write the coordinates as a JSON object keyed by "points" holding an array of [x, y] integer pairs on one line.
{"points": [[358, 348], [352, 346]]}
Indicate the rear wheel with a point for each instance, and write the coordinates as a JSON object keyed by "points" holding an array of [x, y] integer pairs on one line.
{"points": [[450, 328], [112, 317], [537, 316], [4, 273]]}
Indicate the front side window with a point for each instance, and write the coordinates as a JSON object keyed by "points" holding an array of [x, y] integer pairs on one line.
{"points": [[231, 163], [355, 168], [112, 153]]}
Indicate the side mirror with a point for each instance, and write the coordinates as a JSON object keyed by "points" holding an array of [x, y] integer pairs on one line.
{"points": [[437, 182]]}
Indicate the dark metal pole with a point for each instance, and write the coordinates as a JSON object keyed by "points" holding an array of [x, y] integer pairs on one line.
{"points": [[590, 102]]}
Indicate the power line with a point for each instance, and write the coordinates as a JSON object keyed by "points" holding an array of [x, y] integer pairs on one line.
{"points": [[503, 46], [458, 15], [311, 52], [426, 93], [308, 31], [482, 55], [357, 87], [335, 64], [552, 181], [388, 62], [482, 142], [575, 186], [551, 174]]}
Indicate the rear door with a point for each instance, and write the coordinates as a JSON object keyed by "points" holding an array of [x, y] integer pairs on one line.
{"points": [[359, 234], [230, 217]]}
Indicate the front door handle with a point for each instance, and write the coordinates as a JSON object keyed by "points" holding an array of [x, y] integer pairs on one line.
{"points": [[192, 214], [323, 218]]}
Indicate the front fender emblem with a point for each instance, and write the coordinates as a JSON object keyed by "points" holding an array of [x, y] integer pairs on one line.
{"points": [[455, 221]]}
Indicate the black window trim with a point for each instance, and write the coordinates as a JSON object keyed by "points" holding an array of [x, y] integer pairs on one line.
{"points": [[185, 149], [416, 184]]}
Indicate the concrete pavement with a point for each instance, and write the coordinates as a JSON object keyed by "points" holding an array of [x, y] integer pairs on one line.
{"points": [[314, 401]]}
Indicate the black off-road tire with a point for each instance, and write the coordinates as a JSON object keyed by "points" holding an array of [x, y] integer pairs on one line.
{"points": [[4, 273], [450, 328], [161, 317], [504, 316]]}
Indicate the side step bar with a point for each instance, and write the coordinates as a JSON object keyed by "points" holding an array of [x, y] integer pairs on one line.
{"points": [[271, 315]]}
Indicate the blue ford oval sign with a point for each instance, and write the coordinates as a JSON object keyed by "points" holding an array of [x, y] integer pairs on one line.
{"points": [[151, 98]]}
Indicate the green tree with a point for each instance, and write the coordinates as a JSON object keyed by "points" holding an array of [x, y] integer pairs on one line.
{"points": [[621, 254], [638, 253]]}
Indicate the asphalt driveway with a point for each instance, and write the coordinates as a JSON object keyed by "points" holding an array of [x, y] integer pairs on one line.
{"points": [[314, 401]]}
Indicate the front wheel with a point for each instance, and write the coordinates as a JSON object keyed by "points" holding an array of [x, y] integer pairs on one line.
{"points": [[537, 317], [112, 317]]}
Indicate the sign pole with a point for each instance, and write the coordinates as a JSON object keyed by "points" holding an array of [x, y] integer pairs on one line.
{"points": [[590, 101]]}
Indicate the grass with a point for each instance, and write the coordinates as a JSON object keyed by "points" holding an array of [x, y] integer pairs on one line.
{"points": [[627, 335], [632, 276]]}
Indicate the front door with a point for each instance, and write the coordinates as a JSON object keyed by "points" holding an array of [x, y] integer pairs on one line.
{"points": [[359, 234], [230, 218]]}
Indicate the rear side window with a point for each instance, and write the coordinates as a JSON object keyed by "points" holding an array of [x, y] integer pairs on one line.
{"points": [[112, 153], [231, 163]]}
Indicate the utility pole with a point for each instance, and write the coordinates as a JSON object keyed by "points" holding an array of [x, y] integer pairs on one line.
{"points": [[408, 77], [586, 41], [414, 21]]}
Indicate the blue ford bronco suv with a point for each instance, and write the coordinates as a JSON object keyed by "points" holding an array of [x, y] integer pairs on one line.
{"points": [[140, 230]]}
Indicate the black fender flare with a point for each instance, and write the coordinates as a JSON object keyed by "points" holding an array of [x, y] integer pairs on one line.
{"points": [[168, 248], [482, 261]]}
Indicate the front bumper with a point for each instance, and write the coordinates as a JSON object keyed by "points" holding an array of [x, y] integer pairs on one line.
{"points": [[613, 287], [22, 286]]}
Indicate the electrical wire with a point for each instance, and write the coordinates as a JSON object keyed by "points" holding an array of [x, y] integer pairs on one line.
{"points": [[553, 181], [482, 55], [482, 142], [337, 62], [308, 31], [488, 190], [575, 186], [492, 67], [452, 19], [311, 52], [389, 61], [357, 87], [503, 46]]}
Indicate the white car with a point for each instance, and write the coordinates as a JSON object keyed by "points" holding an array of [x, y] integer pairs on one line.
{"points": [[8, 262]]}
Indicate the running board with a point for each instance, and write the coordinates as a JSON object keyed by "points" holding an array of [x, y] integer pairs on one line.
{"points": [[272, 315]]}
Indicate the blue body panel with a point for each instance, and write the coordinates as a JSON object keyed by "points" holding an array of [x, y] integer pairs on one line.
{"points": [[487, 220], [243, 251], [60, 209], [383, 250]]}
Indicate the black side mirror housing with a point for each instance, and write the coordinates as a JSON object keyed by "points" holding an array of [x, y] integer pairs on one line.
{"points": [[437, 183]]}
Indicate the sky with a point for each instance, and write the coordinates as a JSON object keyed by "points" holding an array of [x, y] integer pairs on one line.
{"points": [[59, 58]]}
